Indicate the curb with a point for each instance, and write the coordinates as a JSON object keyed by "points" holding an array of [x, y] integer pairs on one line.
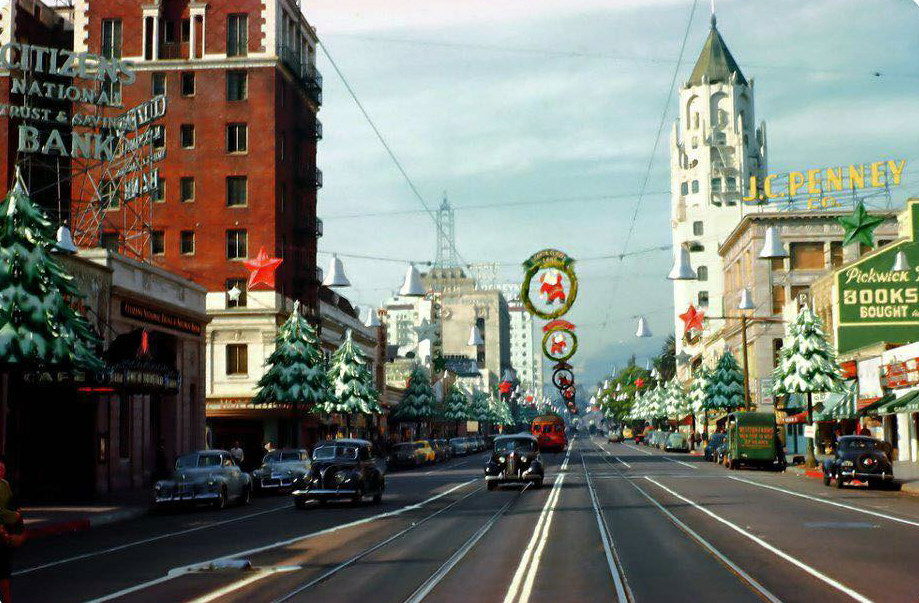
{"points": [[73, 526]]}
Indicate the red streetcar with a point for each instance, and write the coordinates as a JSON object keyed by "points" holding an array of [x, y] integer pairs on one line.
{"points": [[549, 431]]}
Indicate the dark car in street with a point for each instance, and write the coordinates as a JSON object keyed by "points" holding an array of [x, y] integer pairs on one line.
{"points": [[204, 477], [514, 459], [342, 469], [711, 447], [859, 458], [459, 446], [280, 469], [405, 455]]}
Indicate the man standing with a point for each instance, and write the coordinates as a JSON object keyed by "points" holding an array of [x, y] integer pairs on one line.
{"points": [[237, 453]]}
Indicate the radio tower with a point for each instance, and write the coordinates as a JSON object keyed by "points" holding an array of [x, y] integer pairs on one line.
{"points": [[446, 237]]}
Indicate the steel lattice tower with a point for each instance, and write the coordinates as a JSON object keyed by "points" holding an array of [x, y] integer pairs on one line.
{"points": [[446, 237]]}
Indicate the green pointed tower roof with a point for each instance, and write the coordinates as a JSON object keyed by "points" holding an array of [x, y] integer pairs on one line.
{"points": [[715, 62]]}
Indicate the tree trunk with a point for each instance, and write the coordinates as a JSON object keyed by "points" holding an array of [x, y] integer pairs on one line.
{"points": [[811, 458]]}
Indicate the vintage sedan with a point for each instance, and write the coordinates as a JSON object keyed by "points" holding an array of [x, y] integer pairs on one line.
{"points": [[204, 477], [280, 469], [342, 469], [514, 459], [676, 442], [459, 446], [858, 458]]}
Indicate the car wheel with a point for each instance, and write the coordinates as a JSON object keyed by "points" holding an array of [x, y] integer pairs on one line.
{"points": [[826, 478], [246, 497], [300, 503], [491, 485], [221, 501], [839, 482]]}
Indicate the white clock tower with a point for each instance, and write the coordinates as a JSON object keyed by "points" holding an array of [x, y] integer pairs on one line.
{"points": [[714, 149]]}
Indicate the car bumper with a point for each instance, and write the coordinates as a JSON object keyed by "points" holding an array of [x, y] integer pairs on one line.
{"points": [[887, 477], [185, 499], [274, 483], [326, 493]]}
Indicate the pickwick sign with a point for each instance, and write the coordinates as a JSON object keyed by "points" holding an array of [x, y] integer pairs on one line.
{"points": [[877, 303]]}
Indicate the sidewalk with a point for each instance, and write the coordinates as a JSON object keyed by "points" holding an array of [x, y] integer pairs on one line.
{"points": [[42, 521], [906, 474]]}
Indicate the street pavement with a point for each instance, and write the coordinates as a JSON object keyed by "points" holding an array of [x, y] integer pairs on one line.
{"points": [[612, 522]]}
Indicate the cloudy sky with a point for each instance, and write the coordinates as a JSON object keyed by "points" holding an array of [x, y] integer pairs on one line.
{"points": [[545, 112]]}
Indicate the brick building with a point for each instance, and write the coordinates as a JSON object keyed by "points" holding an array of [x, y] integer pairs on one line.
{"points": [[239, 174]]}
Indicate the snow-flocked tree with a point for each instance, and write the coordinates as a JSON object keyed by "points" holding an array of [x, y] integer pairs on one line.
{"points": [[725, 387], [480, 410], [351, 383], [38, 324], [456, 405], [418, 403], [296, 372]]}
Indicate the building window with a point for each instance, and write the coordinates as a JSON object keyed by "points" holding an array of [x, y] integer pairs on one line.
{"points": [[799, 294], [836, 254], [237, 359], [776, 352], [716, 185], [237, 195], [111, 38], [237, 245], [703, 299], [187, 184], [159, 195], [124, 426], [695, 186], [282, 199], [188, 136], [237, 138], [778, 264], [158, 243], [684, 188], [237, 85], [169, 32], [110, 195], [778, 298], [731, 183], [109, 240], [698, 229], [239, 284], [702, 274], [807, 256], [186, 31], [188, 242], [695, 247], [158, 84], [188, 84], [237, 35]]}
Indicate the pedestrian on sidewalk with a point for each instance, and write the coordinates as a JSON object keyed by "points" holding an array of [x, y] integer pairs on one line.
{"points": [[237, 453], [11, 531]]}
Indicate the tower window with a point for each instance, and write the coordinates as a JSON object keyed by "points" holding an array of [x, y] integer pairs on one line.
{"points": [[695, 186], [684, 188], [703, 299], [698, 229], [702, 274], [716, 185]]}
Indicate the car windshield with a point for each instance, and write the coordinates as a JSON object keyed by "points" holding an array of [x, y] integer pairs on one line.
{"points": [[521, 445], [335, 452], [858, 444], [190, 461]]}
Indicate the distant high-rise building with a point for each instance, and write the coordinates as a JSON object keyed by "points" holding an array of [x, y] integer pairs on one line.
{"points": [[714, 148], [525, 356]]}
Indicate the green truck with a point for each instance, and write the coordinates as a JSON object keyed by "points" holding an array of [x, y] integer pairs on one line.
{"points": [[752, 441]]}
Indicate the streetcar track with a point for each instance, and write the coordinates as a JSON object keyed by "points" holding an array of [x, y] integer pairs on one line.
{"points": [[732, 567]]}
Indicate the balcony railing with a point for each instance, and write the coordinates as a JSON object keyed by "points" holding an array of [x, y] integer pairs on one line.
{"points": [[308, 76], [291, 58], [317, 178], [318, 228], [312, 81]]}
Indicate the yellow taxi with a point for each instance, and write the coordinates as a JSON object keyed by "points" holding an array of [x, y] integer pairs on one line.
{"points": [[424, 451]]}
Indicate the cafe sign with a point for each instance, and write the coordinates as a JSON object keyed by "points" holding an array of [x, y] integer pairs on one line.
{"points": [[877, 303]]}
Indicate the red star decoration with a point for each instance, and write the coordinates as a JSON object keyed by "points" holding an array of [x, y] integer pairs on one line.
{"points": [[262, 269], [639, 382], [692, 319], [504, 387], [529, 398]]}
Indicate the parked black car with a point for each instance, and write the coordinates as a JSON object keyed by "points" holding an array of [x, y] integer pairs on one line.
{"points": [[514, 459], [341, 469], [861, 458], [711, 448]]}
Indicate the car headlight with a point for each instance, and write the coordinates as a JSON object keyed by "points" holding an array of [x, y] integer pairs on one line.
{"points": [[158, 486], [501, 459]]}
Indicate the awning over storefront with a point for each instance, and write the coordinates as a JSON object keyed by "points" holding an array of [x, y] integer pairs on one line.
{"points": [[906, 403], [840, 405], [872, 407]]}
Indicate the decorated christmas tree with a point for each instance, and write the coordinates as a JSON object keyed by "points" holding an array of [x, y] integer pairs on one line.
{"points": [[296, 374], [697, 396], [417, 402], [725, 388], [677, 402], [456, 405], [807, 365], [480, 410], [351, 383], [38, 325]]}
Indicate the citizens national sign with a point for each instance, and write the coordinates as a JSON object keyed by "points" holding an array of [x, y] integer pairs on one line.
{"points": [[876, 302]]}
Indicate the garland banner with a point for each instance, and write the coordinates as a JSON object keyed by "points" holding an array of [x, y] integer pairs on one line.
{"points": [[559, 345], [555, 286], [562, 378]]}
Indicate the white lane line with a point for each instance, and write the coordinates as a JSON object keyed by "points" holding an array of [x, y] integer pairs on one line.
{"points": [[181, 571], [612, 557], [681, 463], [445, 569], [230, 588], [740, 573], [129, 545], [529, 553], [627, 466], [636, 448], [803, 566], [825, 501]]}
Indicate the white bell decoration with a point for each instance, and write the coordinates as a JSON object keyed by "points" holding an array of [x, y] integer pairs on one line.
{"points": [[746, 301], [475, 338], [682, 269], [373, 319], [412, 285], [336, 276], [643, 330], [899, 263], [65, 240], [655, 374], [618, 387], [772, 245]]}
